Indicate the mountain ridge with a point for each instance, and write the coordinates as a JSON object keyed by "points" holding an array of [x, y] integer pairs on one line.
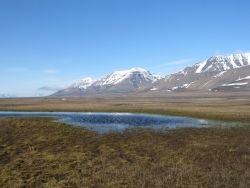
{"points": [[217, 73], [118, 81]]}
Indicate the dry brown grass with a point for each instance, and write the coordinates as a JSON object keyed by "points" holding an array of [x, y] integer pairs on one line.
{"points": [[36, 152]]}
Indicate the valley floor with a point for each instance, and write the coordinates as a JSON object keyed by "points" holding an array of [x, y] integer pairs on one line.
{"points": [[220, 106], [36, 152]]}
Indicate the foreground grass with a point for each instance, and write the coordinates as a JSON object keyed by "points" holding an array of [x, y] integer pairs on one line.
{"points": [[36, 152]]}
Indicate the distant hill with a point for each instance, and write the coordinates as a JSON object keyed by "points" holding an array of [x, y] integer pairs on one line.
{"points": [[215, 74], [117, 82], [6, 95]]}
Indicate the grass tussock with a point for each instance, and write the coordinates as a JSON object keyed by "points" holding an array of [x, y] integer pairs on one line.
{"points": [[36, 152]]}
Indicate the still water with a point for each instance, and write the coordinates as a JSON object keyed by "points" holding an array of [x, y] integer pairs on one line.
{"points": [[118, 122]]}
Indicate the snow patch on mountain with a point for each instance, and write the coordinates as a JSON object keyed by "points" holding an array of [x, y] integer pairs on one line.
{"points": [[183, 86], [244, 78], [236, 84], [154, 89], [220, 74], [200, 67], [223, 63], [83, 83]]}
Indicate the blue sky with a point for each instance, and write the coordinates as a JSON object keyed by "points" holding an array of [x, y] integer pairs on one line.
{"points": [[54, 42]]}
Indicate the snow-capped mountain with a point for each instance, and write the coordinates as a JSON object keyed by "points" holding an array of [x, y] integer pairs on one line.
{"points": [[117, 82], [220, 63], [135, 77], [215, 73]]}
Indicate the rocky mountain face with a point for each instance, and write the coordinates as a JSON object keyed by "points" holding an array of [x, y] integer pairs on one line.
{"points": [[216, 74]]}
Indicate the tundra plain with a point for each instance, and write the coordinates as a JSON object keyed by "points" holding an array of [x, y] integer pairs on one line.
{"points": [[220, 106], [37, 152]]}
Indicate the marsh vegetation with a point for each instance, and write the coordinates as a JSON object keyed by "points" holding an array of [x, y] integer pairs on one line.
{"points": [[36, 152]]}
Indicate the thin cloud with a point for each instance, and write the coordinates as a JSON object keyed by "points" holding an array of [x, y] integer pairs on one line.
{"points": [[50, 71], [16, 69], [24, 69], [177, 62], [50, 88]]}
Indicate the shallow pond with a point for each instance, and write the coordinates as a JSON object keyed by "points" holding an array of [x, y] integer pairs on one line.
{"points": [[118, 122]]}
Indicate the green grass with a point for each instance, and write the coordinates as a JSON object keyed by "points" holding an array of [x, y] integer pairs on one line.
{"points": [[36, 152]]}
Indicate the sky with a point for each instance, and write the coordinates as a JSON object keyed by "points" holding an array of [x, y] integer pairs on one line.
{"points": [[51, 43]]}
